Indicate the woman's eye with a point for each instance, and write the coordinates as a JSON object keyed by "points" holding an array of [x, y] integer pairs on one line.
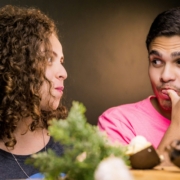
{"points": [[49, 60], [62, 61]]}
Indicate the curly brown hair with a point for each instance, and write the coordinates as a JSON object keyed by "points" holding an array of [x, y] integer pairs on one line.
{"points": [[23, 32]]}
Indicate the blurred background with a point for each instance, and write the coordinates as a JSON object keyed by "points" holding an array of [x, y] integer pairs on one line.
{"points": [[104, 48]]}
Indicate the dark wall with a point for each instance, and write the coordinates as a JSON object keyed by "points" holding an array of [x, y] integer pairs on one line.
{"points": [[104, 48]]}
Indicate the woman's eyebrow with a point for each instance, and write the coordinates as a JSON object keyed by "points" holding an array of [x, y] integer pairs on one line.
{"points": [[56, 55]]}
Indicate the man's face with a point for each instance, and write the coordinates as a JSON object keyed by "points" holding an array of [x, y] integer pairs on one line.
{"points": [[164, 68]]}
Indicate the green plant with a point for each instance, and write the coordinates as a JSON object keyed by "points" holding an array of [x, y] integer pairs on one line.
{"points": [[84, 148]]}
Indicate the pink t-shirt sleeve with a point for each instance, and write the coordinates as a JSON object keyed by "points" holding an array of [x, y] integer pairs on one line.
{"points": [[117, 128], [124, 122]]}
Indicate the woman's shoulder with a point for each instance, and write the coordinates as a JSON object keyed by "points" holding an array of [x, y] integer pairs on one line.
{"points": [[57, 147]]}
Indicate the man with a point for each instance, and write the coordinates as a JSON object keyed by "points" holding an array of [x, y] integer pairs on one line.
{"points": [[157, 118]]}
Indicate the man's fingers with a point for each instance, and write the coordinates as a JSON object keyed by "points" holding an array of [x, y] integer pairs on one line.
{"points": [[173, 95]]}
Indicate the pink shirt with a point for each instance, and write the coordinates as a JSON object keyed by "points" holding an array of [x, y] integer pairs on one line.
{"points": [[124, 122]]}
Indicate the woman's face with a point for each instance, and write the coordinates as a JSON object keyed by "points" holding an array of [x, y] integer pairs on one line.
{"points": [[56, 74]]}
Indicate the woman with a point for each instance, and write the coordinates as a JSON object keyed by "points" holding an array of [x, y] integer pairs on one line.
{"points": [[31, 82]]}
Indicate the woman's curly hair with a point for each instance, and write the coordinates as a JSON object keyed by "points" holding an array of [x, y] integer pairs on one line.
{"points": [[23, 33]]}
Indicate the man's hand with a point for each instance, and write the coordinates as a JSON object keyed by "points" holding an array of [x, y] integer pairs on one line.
{"points": [[175, 100], [173, 131]]}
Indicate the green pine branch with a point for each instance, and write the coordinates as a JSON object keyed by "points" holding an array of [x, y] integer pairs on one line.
{"points": [[84, 146]]}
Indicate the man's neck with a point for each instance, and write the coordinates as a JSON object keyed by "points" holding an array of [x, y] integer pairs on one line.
{"points": [[165, 113]]}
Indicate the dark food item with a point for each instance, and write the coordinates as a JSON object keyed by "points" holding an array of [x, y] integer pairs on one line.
{"points": [[174, 152], [145, 159]]}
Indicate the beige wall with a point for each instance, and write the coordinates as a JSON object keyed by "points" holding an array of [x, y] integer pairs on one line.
{"points": [[104, 48], [106, 55]]}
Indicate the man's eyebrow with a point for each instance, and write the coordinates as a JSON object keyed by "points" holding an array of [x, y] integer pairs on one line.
{"points": [[154, 52], [175, 54]]}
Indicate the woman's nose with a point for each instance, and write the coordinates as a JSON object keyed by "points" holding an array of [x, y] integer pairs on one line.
{"points": [[62, 73]]}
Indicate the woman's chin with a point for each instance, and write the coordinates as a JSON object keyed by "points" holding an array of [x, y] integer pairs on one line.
{"points": [[55, 105], [51, 107]]}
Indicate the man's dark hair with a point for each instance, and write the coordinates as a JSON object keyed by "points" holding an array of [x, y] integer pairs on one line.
{"points": [[165, 24]]}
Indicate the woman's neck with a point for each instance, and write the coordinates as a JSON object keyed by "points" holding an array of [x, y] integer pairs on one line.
{"points": [[28, 142]]}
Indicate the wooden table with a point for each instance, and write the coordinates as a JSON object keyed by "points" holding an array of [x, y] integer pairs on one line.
{"points": [[159, 173]]}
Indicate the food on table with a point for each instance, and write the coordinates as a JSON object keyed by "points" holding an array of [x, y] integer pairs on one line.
{"points": [[142, 154]]}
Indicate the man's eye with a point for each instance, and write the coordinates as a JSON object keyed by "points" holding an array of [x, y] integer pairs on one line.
{"points": [[157, 62], [178, 61]]}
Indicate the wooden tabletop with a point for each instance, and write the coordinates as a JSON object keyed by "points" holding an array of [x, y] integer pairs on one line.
{"points": [[159, 173]]}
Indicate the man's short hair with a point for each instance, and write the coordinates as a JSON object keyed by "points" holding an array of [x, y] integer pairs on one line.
{"points": [[166, 23]]}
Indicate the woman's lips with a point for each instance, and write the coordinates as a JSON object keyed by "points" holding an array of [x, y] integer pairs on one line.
{"points": [[60, 89]]}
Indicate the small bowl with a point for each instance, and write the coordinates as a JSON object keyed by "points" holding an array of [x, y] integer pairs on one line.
{"points": [[145, 159]]}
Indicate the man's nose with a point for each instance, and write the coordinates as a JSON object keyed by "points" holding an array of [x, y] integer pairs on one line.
{"points": [[168, 74]]}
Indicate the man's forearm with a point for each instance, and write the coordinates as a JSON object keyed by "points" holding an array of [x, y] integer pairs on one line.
{"points": [[172, 133]]}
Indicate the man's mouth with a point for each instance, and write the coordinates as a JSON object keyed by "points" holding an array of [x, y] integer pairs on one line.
{"points": [[164, 93]]}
